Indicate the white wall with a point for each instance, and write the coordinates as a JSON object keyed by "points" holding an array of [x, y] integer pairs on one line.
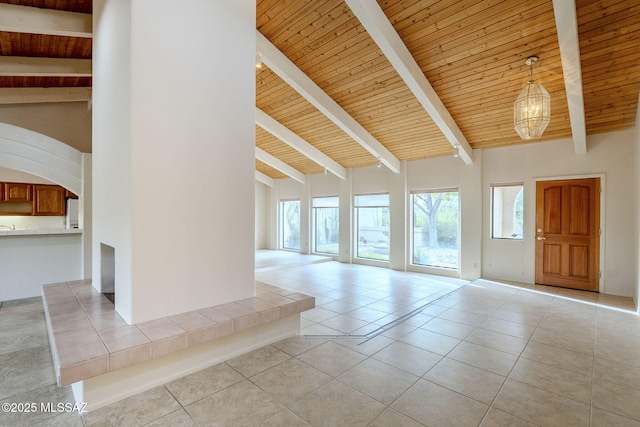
{"points": [[610, 156], [69, 122], [174, 147], [324, 185], [289, 189], [636, 181]]}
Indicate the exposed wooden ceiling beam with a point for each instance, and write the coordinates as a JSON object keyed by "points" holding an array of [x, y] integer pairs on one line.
{"points": [[285, 135], [382, 32], [33, 20], [36, 95], [278, 164], [266, 180], [290, 73], [22, 66], [567, 27]]}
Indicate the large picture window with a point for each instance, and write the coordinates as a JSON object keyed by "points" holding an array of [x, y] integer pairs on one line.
{"points": [[290, 224], [435, 228], [372, 226], [325, 224], [507, 211]]}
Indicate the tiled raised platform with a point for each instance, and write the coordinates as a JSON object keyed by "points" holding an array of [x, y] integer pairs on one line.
{"points": [[88, 338]]}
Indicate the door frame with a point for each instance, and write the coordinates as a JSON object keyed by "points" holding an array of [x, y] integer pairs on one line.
{"points": [[532, 228]]}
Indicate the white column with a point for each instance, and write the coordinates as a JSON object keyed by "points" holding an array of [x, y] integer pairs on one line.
{"points": [[398, 194], [471, 218], [345, 201], [305, 216]]}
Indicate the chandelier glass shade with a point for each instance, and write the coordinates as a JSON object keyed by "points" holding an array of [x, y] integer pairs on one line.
{"points": [[532, 109]]}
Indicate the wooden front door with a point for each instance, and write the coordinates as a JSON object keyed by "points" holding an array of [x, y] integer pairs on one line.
{"points": [[568, 233]]}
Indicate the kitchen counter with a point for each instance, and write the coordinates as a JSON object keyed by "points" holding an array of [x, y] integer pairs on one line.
{"points": [[31, 257], [39, 232]]}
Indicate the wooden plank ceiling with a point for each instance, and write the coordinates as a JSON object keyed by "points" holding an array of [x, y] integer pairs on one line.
{"points": [[471, 51]]}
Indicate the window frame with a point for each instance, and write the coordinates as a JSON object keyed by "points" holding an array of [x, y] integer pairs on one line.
{"points": [[281, 238], [356, 228], [412, 219], [492, 209], [314, 218]]}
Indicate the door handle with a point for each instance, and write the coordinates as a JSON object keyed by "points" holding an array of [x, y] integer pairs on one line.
{"points": [[541, 238]]}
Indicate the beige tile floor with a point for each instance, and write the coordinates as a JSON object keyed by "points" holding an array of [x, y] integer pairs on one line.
{"points": [[382, 348]]}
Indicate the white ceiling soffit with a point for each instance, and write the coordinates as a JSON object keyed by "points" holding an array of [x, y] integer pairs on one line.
{"points": [[382, 32], [26, 19], [266, 180], [567, 27], [285, 135], [290, 73], [24, 66], [278, 164]]}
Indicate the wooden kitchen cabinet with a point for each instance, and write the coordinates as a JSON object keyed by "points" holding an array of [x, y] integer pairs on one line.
{"points": [[16, 192], [48, 200]]}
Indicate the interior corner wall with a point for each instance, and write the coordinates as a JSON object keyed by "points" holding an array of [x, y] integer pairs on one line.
{"points": [[85, 216], [261, 216], [174, 152], [273, 225]]}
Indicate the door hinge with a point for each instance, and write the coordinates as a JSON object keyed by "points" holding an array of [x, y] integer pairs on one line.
{"points": [[600, 274]]}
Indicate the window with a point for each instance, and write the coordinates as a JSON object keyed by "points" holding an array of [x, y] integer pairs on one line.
{"points": [[507, 211], [290, 224], [325, 224], [435, 229], [372, 226]]}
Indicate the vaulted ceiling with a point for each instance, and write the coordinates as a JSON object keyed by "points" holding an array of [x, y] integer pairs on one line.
{"points": [[350, 83]]}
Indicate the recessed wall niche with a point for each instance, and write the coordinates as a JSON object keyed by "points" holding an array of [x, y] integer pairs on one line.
{"points": [[108, 272]]}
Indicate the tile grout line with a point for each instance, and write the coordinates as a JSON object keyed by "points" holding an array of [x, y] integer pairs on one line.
{"points": [[506, 377], [381, 329]]}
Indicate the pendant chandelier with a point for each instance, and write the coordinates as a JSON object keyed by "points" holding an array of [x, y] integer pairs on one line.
{"points": [[532, 109]]}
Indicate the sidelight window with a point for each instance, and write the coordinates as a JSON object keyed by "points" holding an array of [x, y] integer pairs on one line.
{"points": [[507, 211]]}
